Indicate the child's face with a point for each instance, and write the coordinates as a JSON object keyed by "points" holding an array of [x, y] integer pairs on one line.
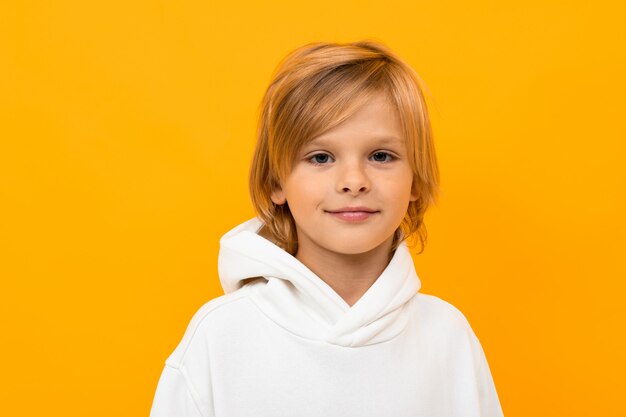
{"points": [[360, 163]]}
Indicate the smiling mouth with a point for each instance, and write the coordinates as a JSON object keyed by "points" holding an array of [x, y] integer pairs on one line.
{"points": [[352, 216], [359, 209]]}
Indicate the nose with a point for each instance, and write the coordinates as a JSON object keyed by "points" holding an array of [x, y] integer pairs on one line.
{"points": [[353, 179]]}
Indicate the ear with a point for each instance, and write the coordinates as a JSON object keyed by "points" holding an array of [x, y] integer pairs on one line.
{"points": [[278, 196]]}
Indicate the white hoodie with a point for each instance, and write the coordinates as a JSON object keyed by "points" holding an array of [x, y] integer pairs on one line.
{"points": [[286, 344]]}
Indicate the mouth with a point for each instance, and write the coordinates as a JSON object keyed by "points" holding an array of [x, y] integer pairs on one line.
{"points": [[353, 214], [353, 210]]}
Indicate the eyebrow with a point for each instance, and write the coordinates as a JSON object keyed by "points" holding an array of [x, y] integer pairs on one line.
{"points": [[378, 139]]}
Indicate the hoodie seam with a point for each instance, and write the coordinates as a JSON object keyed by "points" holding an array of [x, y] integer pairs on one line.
{"points": [[179, 363], [190, 389]]}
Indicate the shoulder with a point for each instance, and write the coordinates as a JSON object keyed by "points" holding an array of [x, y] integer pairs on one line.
{"points": [[436, 308], [204, 321], [444, 328], [441, 317]]}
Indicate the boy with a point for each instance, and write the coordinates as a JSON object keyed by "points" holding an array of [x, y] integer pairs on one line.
{"points": [[321, 314]]}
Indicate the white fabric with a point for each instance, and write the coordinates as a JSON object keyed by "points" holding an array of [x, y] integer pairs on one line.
{"points": [[285, 344]]}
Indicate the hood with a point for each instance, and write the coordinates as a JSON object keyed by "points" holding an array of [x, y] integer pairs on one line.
{"points": [[295, 298]]}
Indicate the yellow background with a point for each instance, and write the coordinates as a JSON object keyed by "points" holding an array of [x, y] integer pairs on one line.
{"points": [[127, 128]]}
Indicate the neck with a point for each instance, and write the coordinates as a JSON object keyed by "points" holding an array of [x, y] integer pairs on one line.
{"points": [[349, 275]]}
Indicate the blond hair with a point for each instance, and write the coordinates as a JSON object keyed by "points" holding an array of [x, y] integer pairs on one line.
{"points": [[315, 88]]}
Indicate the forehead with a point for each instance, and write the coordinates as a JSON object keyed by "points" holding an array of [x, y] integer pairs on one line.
{"points": [[374, 120]]}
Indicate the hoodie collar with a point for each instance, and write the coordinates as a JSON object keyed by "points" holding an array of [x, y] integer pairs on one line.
{"points": [[298, 300]]}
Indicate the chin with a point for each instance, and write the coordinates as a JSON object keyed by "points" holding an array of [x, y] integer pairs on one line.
{"points": [[353, 249], [356, 243]]}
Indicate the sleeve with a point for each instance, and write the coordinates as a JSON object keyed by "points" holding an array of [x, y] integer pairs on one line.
{"points": [[488, 397], [185, 388], [174, 396]]}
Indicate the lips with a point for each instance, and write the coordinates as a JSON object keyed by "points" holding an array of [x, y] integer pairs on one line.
{"points": [[359, 209], [353, 214]]}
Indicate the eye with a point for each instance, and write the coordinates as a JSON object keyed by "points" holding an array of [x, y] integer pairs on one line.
{"points": [[320, 158], [382, 157]]}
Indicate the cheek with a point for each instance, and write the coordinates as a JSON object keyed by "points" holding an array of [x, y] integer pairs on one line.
{"points": [[308, 183], [397, 183], [302, 193]]}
